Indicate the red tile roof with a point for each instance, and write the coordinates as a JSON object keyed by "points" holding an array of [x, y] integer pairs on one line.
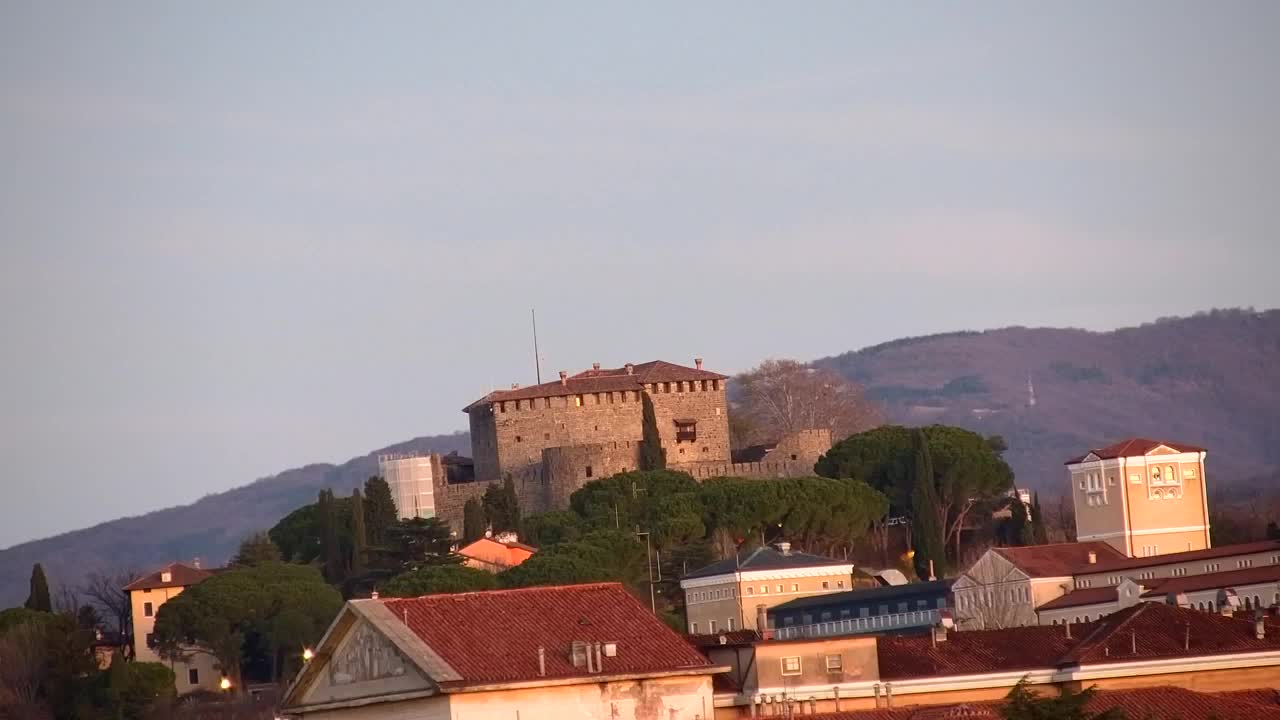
{"points": [[729, 637], [1058, 560], [1133, 447], [180, 576], [1121, 562], [1087, 596], [493, 637], [1229, 578], [605, 380], [972, 652], [1165, 703], [1149, 631]]}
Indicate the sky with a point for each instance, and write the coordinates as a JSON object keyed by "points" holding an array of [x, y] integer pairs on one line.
{"points": [[241, 237]]}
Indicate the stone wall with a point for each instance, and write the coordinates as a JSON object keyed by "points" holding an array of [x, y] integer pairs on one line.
{"points": [[450, 498]]}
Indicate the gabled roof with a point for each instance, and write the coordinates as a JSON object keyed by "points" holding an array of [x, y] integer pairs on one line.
{"points": [[973, 652], [1133, 447], [1059, 559], [1222, 551], [1209, 581], [1085, 596], [602, 380], [765, 558], [1150, 631], [505, 553], [494, 637], [180, 576]]}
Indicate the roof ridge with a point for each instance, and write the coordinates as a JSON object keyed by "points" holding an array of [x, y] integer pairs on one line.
{"points": [[1105, 629], [506, 591]]}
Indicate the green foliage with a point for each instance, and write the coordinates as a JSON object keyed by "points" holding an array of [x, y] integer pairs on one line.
{"points": [[1023, 704], [298, 533], [439, 579], [1016, 530], [928, 524], [473, 523], [663, 502], [284, 605], [87, 617], [597, 556], [256, 549], [416, 543], [652, 455], [379, 510], [359, 536], [1039, 531], [882, 458], [70, 668], [335, 570], [551, 528], [38, 599], [150, 685], [1068, 372], [14, 617], [501, 507]]}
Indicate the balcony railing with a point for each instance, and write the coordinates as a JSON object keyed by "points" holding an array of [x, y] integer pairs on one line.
{"points": [[854, 626]]}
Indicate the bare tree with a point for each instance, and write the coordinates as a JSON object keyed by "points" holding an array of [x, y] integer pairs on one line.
{"points": [[780, 397], [22, 667], [66, 599], [104, 591]]}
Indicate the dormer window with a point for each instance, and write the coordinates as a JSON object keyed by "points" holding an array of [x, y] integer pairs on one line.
{"points": [[166, 577], [686, 430]]}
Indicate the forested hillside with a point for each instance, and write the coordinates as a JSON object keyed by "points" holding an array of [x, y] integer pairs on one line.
{"points": [[1211, 380]]}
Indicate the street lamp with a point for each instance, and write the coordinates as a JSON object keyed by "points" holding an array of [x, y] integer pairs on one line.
{"points": [[307, 654], [226, 683]]}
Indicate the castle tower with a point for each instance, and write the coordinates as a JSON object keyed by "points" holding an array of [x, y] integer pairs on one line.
{"points": [[1143, 497]]}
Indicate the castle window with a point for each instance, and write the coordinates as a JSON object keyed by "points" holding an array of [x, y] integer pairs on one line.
{"points": [[546, 436], [598, 398], [624, 395], [519, 439], [686, 430], [715, 384], [610, 398], [681, 451], [548, 403], [502, 407], [588, 471], [702, 385], [577, 400], [704, 448]]}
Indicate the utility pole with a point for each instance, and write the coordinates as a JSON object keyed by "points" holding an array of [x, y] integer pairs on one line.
{"points": [[648, 559], [537, 361]]}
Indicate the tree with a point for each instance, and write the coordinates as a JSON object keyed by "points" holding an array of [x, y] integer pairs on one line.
{"points": [[13, 617], [652, 455], [23, 663], [39, 599], [605, 555], [255, 550], [104, 591], [501, 506], [551, 528], [473, 524], [439, 579], [87, 618], [71, 668], [330, 541], [1273, 530], [1023, 704], [359, 536], [928, 523], [781, 397], [283, 605], [1039, 531], [416, 543], [150, 687], [379, 508]]}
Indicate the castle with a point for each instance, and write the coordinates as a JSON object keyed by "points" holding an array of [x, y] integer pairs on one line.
{"points": [[551, 439]]}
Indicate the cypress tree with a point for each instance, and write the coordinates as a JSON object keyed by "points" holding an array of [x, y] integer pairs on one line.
{"points": [[379, 510], [927, 525], [38, 599], [1039, 533], [359, 538], [652, 455], [330, 552], [473, 525], [513, 505]]}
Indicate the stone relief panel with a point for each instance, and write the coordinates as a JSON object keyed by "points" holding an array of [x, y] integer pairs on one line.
{"points": [[366, 656]]}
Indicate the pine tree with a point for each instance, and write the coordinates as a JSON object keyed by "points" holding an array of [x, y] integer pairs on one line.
{"points": [[39, 597], [927, 525], [256, 549], [473, 525], [379, 510], [359, 538], [652, 455]]}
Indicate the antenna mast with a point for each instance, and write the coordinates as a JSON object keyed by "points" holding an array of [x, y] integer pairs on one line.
{"points": [[537, 362]]}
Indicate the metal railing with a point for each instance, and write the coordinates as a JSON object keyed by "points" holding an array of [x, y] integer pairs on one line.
{"points": [[854, 626]]}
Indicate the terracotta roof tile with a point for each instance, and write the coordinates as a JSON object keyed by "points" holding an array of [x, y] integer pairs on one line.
{"points": [[1086, 596], [180, 576], [972, 652], [1060, 559], [1127, 563], [1150, 630], [493, 637], [765, 558], [1229, 578], [1133, 447], [606, 380]]}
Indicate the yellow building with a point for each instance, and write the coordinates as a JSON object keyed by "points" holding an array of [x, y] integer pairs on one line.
{"points": [[547, 653], [146, 595], [1143, 497], [728, 595]]}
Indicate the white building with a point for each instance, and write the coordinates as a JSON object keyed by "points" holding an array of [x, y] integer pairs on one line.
{"points": [[412, 478]]}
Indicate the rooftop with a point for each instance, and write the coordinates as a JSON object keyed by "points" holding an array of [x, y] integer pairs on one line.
{"points": [[890, 592], [180, 575], [494, 637], [602, 380], [765, 558], [1133, 447], [1060, 559], [1086, 596], [1229, 578], [1120, 562]]}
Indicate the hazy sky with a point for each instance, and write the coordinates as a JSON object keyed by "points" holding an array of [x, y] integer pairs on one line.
{"points": [[241, 237]]}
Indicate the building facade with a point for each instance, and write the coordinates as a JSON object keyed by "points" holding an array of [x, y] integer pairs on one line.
{"points": [[733, 594], [412, 479], [895, 608], [1144, 497], [1004, 586], [197, 670]]}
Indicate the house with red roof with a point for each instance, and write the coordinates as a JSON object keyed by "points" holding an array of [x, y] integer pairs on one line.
{"points": [[495, 554], [547, 652], [196, 671]]}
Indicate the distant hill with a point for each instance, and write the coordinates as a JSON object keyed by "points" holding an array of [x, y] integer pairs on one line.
{"points": [[210, 528], [1211, 380]]}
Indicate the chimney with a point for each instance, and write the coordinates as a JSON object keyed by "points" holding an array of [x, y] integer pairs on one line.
{"points": [[876, 690], [599, 657], [631, 369], [888, 695], [1068, 624], [195, 563], [373, 595], [697, 362], [762, 622], [939, 634], [542, 661], [1259, 626], [515, 386], [564, 377], [595, 366], [1093, 558], [784, 548]]}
